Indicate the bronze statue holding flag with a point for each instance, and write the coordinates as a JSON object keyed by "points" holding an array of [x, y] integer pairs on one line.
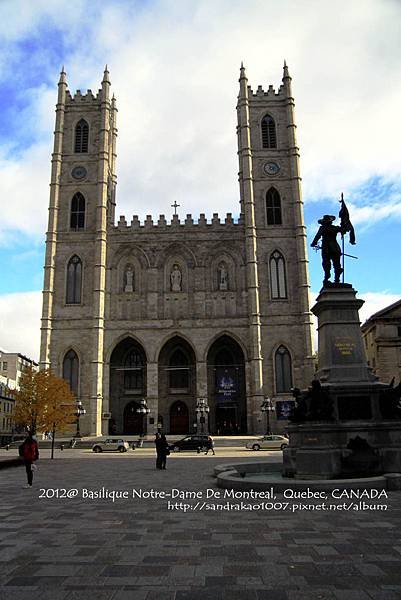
{"points": [[331, 251]]}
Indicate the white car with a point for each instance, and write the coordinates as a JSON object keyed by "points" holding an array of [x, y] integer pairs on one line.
{"points": [[269, 442], [110, 444]]}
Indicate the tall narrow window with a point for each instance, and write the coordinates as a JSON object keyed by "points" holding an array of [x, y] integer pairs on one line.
{"points": [[134, 370], [269, 138], [81, 136], [273, 207], [283, 370], [179, 370], [74, 280], [71, 370], [77, 219], [278, 281]]}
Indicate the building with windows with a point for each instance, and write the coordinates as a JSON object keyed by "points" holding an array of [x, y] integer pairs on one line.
{"points": [[7, 404], [382, 337], [181, 314], [12, 365]]}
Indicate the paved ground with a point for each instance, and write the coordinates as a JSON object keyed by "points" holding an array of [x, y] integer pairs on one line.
{"points": [[222, 452], [77, 548]]}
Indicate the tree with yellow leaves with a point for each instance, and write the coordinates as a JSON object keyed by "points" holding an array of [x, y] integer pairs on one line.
{"points": [[44, 402]]}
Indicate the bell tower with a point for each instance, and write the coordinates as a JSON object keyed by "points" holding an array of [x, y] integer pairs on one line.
{"points": [[82, 201], [275, 235]]}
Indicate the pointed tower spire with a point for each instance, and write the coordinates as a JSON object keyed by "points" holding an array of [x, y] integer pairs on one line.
{"points": [[62, 76], [106, 84], [287, 81], [243, 83], [286, 74], [106, 78]]}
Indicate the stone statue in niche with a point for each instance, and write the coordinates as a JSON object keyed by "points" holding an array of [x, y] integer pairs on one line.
{"points": [[223, 277], [129, 279], [176, 279]]}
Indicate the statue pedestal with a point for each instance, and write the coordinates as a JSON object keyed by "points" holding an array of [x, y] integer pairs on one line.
{"points": [[341, 351], [320, 449]]}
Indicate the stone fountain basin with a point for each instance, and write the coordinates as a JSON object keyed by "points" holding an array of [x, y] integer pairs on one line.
{"points": [[262, 476]]}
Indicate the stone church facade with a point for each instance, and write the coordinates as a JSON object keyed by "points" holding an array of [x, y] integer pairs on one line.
{"points": [[183, 315]]}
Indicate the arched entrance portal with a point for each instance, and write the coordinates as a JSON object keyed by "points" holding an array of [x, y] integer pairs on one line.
{"points": [[226, 385], [127, 387], [177, 386], [132, 419], [179, 418]]}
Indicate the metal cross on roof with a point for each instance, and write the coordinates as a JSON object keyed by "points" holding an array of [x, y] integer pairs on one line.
{"points": [[175, 205]]}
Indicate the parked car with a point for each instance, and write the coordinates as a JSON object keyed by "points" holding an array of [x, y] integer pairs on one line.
{"points": [[269, 442], [111, 444], [191, 442]]}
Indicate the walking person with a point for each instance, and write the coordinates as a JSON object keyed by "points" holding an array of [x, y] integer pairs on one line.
{"points": [[165, 450], [210, 445], [29, 452], [158, 445], [162, 450]]}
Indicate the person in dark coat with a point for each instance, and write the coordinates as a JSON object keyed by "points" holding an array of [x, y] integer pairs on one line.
{"points": [[210, 445], [162, 450], [158, 450], [29, 452]]}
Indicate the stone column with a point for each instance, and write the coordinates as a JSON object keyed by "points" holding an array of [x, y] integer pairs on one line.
{"points": [[201, 394], [300, 230], [106, 397], [52, 235], [152, 395], [246, 185], [99, 257]]}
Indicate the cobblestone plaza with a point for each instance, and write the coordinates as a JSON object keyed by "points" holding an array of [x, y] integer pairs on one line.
{"points": [[77, 548]]}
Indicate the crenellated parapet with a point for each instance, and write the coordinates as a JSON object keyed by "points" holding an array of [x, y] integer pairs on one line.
{"points": [[79, 97], [175, 223], [270, 93]]}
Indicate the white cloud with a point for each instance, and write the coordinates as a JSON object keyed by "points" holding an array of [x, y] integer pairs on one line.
{"points": [[24, 190], [20, 323], [373, 302], [174, 69]]}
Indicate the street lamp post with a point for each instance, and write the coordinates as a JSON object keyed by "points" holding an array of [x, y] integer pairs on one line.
{"points": [[80, 413], [143, 410], [202, 409], [267, 407]]}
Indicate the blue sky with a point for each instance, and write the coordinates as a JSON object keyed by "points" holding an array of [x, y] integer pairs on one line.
{"points": [[174, 66]]}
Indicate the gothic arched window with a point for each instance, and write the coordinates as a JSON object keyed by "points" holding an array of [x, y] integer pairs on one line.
{"points": [[71, 370], [74, 280], [81, 136], [273, 207], [133, 370], [77, 217], [278, 281], [269, 138], [179, 370], [282, 363]]}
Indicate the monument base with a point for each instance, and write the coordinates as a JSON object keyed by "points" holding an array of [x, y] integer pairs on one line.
{"points": [[335, 450], [361, 433]]}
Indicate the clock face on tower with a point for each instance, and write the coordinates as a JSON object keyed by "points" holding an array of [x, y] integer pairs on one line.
{"points": [[78, 172], [271, 168]]}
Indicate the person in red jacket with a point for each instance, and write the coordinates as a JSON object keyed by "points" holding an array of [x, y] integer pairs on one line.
{"points": [[29, 452]]}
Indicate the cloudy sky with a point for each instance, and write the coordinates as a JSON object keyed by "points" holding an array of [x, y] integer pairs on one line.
{"points": [[174, 68]]}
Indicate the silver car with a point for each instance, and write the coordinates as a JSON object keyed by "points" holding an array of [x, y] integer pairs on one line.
{"points": [[110, 444], [269, 442]]}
